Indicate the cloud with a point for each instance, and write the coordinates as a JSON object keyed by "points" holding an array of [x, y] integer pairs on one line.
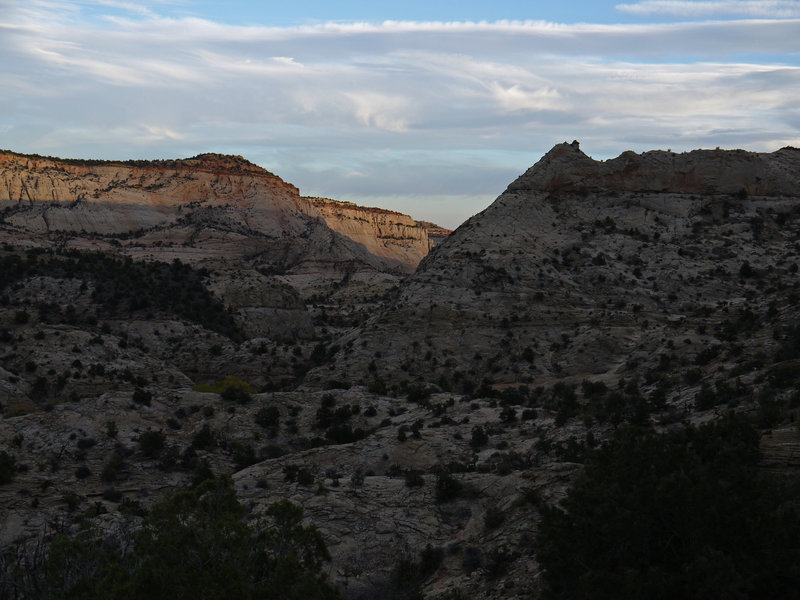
{"points": [[421, 112], [768, 9]]}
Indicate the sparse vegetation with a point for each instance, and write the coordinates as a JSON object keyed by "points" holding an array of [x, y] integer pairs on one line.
{"points": [[193, 544], [685, 514]]}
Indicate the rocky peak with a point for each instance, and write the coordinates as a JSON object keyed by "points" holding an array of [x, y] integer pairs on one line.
{"points": [[565, 168]]}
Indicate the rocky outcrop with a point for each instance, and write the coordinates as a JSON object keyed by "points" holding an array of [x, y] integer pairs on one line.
{"points": [[371, 512], [436, 233], [585, 268], [391, 235], [207, 207], [700, 172]]}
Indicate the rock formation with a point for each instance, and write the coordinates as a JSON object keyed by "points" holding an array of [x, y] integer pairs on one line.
{"points": [[592, 268], [209, 206], [393, 236]]}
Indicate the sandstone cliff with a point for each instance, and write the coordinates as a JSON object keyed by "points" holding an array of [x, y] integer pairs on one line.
{"points": [[391, 235], [207, 207], [211, 205], [436, 233]]}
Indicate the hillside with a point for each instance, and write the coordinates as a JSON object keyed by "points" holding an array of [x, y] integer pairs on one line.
{"points": [[610, 347], [603, 269]]}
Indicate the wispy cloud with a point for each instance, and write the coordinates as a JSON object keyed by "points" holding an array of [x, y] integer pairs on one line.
{"points": [[767, 9], [447, 111]]}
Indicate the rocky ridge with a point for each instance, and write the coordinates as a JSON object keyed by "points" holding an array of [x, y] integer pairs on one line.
{"points": [[209, 206], [594, 268]]}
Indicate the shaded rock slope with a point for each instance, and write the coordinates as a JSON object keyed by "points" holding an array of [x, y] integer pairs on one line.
{"points": [[586, 268]]}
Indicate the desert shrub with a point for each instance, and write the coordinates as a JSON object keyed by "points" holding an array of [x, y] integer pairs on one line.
{"points": [[377, 386], [243, 455], [71, 501], [112, 467], [508, 414], [86, 443], [124, 286], [706, 398], [290, 473], [479, 437], [7, 467], [357, 478], [141, 396], [268, 417], [236, 394], [706, 355], [344, 434], [409, 575], [151, 443], [447, 487], [413, 478], [419, 394], [305, 477], [204, 439]]}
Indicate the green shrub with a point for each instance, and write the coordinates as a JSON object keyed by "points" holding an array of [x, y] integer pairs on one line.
{"points": [[193, 544], [414, 478], [305, 477], [112, 467], [479, 437], [244, 455], [685, 514], [447, 487], [268, 417], [204, 439], [151, 443], [7, 467], [141, 396]]}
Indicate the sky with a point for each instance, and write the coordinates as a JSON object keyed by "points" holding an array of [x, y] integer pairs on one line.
{"points": [[426, 107]]}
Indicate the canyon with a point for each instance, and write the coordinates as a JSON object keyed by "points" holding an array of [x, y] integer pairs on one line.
{"points": [[424, 395]]}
